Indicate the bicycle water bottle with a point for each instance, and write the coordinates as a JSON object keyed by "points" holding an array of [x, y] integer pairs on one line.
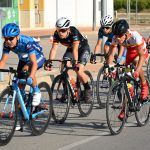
{"points": [[73, 83], [131, 89]]}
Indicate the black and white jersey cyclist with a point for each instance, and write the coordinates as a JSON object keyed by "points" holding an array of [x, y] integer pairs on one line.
{"points": [[77, 49]]}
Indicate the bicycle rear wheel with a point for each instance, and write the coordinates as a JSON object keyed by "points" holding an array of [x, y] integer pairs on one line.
{"points": [[86, 108], [8, 117], [142, 115], [116, 102], [102, 88], [40, 122], [61, 99], [148, 70]]}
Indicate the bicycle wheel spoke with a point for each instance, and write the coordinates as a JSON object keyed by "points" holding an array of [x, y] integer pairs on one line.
{"points": [[43, 112], [7, 122], [114, 106], [86, 108], [61, 100]]}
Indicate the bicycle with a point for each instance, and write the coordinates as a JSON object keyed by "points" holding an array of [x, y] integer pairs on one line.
{"points": [[104, 81], [148, 64], [120, 98], [64, 94], [13, 105]]}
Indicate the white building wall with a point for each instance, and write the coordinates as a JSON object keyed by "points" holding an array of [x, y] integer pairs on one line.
{"points": [[80, 12]]}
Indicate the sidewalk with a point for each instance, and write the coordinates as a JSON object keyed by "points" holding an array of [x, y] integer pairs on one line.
{"points": [[46, 32]]}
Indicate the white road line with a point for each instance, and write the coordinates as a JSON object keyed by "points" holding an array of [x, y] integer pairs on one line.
{"points": [[70, 146]]}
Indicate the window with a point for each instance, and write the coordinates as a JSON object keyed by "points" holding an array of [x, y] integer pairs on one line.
{"points": [[6, 3]]}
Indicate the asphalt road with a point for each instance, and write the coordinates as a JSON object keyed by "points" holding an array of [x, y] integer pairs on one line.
{"points": [[78, 133]]}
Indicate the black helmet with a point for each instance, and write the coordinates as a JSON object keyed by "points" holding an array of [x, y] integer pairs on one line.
{"points": [[120, 27]]}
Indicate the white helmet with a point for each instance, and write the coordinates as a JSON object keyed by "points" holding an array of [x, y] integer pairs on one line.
{"points": [[107, 21], [63, 23]]}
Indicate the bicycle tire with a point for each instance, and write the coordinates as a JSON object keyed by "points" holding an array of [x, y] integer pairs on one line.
{"points": [[61, 105], [86, 108], [148, 69], [114, 107], [102, 88], [39, 124], [142, 116], [7, 129]]}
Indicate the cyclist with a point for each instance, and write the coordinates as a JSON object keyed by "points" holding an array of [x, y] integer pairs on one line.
{"points": [[78, 50], [136, 52], [29, 53], [105, 30], [148, 41]]}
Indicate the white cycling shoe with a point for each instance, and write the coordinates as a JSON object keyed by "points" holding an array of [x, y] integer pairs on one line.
{"points": [[36, 99]]}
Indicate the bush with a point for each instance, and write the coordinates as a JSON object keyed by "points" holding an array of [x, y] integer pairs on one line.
{"points": [[142, 4]]}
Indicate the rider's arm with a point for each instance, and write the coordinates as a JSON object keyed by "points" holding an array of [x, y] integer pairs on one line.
{"points": [[98, 46], [3, 60], [121, 50], [34, 65], [75, 50], [112, 54], [141, 58], [53, 51]]}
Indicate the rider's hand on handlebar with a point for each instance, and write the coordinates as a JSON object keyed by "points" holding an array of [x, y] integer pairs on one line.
{"points": [[48, 65], [93, 59]]}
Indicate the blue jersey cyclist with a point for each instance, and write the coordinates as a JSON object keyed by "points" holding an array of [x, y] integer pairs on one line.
{"points": [[104, 31], [30, 56], [77, 50]]}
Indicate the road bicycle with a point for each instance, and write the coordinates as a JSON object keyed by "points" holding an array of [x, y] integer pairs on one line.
{"points": [[120, 98], [104, 81], [13, 106], [148, 64], [64, 94]]}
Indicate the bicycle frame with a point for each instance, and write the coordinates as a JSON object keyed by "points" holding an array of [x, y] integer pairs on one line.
{"points": [[16, 92], [124, 78]]}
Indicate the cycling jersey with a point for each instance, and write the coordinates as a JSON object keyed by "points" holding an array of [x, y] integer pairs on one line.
{"points": [[101, 33], [73, 36], [132, 43], [26, 46]]}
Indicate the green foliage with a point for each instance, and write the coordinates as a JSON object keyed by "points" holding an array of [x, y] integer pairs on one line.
{"points": [[141, 4]]}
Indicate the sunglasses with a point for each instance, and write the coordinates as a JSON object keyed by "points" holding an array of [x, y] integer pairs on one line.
{"points": [[105, 27], [62, 30], [9, 38]]}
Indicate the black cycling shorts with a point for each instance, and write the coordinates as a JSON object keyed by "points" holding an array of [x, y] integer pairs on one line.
{"points": [[83, 55]]}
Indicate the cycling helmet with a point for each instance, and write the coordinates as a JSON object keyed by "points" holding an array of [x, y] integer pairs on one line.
{"points": [[120, 27], [106, 21], [10, 30], [63, 23]]}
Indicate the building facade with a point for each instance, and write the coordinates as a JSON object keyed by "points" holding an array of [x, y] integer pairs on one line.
{"points": [[44, 13], [9, 11]]}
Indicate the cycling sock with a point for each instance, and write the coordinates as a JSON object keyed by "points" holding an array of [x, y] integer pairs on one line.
{"points": [[86, 86], [36, 89]]}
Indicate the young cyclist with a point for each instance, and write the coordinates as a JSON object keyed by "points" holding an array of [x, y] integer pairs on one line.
{"points": [[136, 52], [77, 50], [29, 53], [105, 30]]}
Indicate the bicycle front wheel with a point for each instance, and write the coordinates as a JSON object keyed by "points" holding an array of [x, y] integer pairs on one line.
{"points": [[40, 122], [142, 115], [61, 99], [8, 116], [102, 88], [86, 108], [115, 104]]}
